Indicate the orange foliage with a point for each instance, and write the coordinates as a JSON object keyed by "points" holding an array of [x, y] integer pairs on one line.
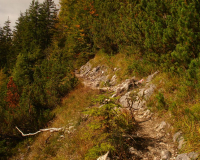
{"points": [[78, 26], [12, 94]]}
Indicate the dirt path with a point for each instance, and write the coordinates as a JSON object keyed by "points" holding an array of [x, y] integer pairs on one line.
{"points": [[153, 140]]}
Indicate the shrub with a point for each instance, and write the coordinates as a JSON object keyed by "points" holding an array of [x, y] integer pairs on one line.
{"points": [[112, 124]]}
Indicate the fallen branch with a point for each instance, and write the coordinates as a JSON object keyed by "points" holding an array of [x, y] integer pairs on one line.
{"points": [[41, 130]]}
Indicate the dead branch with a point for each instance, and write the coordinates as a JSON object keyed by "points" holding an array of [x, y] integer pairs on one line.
{"points": [[41, 130]]}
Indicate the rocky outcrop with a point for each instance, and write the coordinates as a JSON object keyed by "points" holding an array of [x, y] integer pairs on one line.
{"points": [[152, 139], [189, 156]]}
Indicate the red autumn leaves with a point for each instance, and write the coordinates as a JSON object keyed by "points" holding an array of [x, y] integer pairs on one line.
{"points": [[12, 97]]}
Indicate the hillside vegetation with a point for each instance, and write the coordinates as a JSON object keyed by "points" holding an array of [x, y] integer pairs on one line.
{"points": [[39, 57]]}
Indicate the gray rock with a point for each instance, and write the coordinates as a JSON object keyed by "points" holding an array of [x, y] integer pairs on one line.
{"points": [[176, 136], [85, 68], [125, 100], [138, 104], [113, 80], [162, 125], [182, 157], [181, 142], [166, 155], [150, 77], [146, 114], [148, 92], [193, 155], [125, 86], [141, 92]]}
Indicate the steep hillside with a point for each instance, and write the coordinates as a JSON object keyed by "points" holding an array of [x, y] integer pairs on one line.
{"points": [[42, 83], [142, 133]]}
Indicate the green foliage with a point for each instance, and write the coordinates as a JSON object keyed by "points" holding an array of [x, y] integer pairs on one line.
{"points": [[42, 75], [141, 67], [41, 54], [169, 30], [6, 52], [99, 150], [161, 104], [112, 124], [3, 148]]}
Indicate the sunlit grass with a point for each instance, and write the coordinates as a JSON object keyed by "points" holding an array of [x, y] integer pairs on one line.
{"points": [[53, 145]]}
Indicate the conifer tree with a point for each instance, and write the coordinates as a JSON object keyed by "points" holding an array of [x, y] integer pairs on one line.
{"points": [[6, 46]]}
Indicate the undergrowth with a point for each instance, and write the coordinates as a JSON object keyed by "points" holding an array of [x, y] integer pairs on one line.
{"points": [[178, 102], [98, 129], [99, 125], [124, 65]]}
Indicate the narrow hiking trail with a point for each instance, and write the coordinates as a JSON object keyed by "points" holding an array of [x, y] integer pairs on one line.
{"points": [[152, 139]]}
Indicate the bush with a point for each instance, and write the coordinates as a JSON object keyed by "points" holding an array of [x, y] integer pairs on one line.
{"points": [[112, 124]]}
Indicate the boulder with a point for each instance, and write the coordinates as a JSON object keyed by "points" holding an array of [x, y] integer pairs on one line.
{"points": [[183, 156], [181, 142], [193, 155], [162, 126], [85, 68], [176, 136], [149, 91], [113, 80], [166, 155], [138, 104], [125, 100]]}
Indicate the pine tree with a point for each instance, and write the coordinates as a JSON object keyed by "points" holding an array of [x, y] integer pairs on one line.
{"points": [[6, 46]]}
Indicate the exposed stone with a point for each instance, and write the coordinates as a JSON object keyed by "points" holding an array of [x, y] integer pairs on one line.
{"points": [[138, 104], [141, 92], [113, 80], [166, 155], [125, 86], [85, 68], [181, 142], [182, 157], [62, 136], [176, 136], [193, 155], [104, 157], [125, 100], [134, 151], [71, 127], [146, 114], [150, 77], [97, 75], [148, 92], [162, 125]]}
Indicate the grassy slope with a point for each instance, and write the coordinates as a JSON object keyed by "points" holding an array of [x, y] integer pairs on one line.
{"points": [[173, 108]]}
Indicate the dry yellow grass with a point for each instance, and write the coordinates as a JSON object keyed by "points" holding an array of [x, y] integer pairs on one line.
{"points": [[2, 77], [51, 145]]}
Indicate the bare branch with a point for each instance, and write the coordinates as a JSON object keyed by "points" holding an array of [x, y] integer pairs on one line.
{"points": [[41, 130]]}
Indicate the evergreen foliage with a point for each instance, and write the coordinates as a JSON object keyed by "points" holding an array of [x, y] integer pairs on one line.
{"points": [[43, 50], [112, 126], [40, 72]]}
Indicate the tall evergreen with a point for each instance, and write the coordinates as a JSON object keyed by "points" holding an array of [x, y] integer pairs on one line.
{"points": [[6, 45]]}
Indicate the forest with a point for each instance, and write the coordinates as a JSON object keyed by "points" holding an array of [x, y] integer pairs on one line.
{"points": [[38, 58]]}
